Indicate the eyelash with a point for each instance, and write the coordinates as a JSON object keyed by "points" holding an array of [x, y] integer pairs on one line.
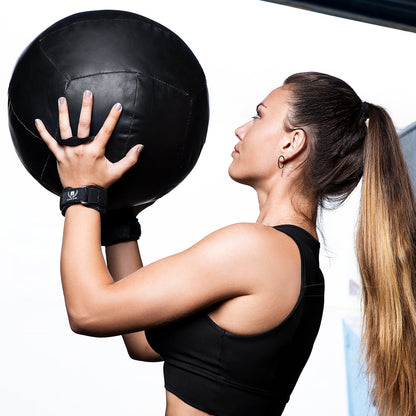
{"points": [[256, 116]]}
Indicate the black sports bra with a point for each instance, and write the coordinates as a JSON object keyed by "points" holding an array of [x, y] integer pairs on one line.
{"points": [[228, 375]]}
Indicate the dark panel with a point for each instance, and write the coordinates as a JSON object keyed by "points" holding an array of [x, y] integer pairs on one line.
{"points": [[399, 14]]}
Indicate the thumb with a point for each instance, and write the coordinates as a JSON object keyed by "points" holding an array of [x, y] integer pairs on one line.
{"points": [[123, 165]]}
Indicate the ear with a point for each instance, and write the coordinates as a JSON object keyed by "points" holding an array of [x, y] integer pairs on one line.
{"points": [[295, 144]]}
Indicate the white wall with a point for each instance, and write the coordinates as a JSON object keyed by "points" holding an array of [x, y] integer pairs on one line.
{"points": [[246, 47]]}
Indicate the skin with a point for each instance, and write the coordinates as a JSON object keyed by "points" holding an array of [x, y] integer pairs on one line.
{"points": [[251, 270]]}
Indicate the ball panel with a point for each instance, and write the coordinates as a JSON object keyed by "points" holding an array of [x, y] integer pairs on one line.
{"points": [[145, 119], [50, 177], [32, 151], [33, 92], [108, 89], [197, 129], [162, 129], [117, 44]]}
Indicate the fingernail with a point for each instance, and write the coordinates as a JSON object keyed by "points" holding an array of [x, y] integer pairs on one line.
{"points": [[117, 106], [37, 122], [87, 93], [61, 100], [140, 148]]}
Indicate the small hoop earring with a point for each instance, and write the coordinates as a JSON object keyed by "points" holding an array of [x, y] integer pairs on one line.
{"points": [[281, 163]]}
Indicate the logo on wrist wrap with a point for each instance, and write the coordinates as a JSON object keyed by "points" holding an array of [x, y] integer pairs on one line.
{"points": [[72, 195]]}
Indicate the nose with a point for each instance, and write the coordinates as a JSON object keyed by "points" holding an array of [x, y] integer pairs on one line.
{"points": [[241, 131]]}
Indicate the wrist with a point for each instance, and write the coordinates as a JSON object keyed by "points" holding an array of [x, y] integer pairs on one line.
{"points": [[91, 196]]}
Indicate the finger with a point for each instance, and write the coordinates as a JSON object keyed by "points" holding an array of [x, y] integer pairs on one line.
{"points": [[123, 165], [85, 116], [109, 125], [64, 125], [54, 147]]}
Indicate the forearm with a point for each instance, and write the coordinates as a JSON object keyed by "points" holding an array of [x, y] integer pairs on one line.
{"points": [[83, 270], [122, 260]]}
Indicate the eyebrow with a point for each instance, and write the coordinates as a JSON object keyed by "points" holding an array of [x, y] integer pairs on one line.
{"points": [[261, 104]]}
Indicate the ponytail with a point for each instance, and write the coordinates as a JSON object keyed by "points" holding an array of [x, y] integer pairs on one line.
{"points": [[386, 252], [342, 150]]}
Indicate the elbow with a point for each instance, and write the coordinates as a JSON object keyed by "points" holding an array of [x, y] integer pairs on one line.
{"points": [[152, 358], [144, 354], [83, 323], [78, 327], [133, 355]]}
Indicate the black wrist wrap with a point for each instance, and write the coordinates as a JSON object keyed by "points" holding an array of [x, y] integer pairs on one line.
{"points": [[119, 226], [92, 196]]}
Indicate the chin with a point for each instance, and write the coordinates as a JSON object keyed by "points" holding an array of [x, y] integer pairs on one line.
{"points": [[231, 173], [238, 178]]}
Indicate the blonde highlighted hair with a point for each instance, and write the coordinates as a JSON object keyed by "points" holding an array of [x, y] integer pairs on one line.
{"points": [[387, 258], [342, 150]]}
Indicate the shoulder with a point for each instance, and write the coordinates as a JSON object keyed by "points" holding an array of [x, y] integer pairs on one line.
{"points": [[248, 248], [246, 236]]}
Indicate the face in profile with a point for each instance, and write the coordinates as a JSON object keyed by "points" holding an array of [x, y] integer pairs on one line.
{"points": [[261, 141]]}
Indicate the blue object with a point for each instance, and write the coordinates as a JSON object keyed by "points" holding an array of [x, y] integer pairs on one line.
{"points": [[358, 397]]}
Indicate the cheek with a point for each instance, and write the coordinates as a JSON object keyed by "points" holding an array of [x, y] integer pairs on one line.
{"points": [[253, 163], [260, 155], [263, 166]]}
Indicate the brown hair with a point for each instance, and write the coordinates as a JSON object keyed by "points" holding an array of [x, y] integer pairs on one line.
{"points": [[342, 149]]}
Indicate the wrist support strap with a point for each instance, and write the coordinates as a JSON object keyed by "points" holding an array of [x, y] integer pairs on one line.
{"points": [[119, 226], [92, 196]]}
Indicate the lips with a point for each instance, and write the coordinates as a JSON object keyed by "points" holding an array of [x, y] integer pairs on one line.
{"points": [[235, 149]]}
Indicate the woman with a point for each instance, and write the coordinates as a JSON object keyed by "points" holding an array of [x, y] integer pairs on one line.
{"points": [[235, 316]]}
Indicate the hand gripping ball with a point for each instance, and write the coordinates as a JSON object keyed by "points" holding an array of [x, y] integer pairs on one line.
{"points": [[121, 57]]}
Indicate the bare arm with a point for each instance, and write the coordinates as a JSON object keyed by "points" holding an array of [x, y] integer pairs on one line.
{"points": [[122, 260], [219, 267]]}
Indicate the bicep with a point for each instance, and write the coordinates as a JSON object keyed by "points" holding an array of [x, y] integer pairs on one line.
{"points": [[219, 267]]}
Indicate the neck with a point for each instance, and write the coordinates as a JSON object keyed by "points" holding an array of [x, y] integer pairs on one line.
{"points": [[279, 204]]}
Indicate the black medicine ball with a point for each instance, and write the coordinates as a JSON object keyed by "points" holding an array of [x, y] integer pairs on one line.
{"points": [[121, 57]]}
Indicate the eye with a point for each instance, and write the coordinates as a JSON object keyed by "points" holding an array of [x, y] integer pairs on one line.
{"points": [[256, 116]]}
